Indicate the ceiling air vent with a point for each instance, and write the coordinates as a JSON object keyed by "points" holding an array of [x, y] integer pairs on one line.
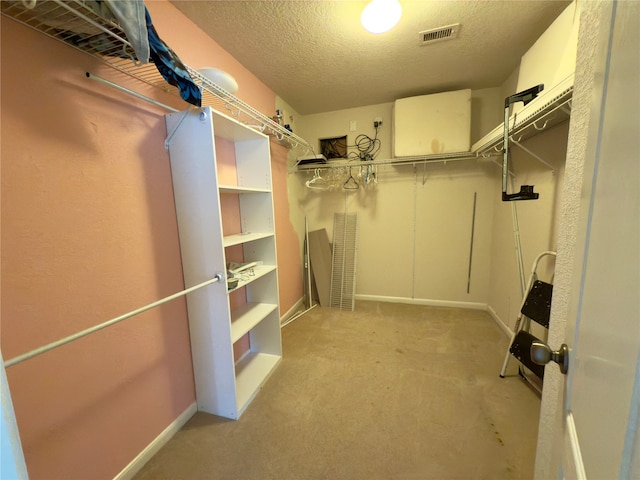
{"points": [[439, 34]]}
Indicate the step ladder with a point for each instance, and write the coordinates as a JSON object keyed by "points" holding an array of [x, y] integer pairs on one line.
{"points": [[536, 306]]}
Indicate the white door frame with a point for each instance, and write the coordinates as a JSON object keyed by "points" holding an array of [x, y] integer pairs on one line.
{"points": [[12, 465]]}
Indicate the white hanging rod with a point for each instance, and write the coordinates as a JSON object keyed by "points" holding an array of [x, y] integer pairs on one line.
{"points": [[91, 76], [45, 348], [398, 161]]}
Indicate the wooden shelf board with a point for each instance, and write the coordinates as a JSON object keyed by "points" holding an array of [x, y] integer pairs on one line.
{"points": [[258, 271], [232, 189], [240, 238], [251, 372], [247, 316]]}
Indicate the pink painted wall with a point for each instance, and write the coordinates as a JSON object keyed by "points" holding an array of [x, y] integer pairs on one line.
{"points": [[287, 243], [88, 233]]}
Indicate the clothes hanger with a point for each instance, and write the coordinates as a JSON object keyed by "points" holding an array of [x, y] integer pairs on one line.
{"points": [[317, 182], [351, 183], [370, 174]]}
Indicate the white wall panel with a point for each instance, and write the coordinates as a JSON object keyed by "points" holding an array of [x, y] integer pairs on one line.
{"points": [[443, 229], [385, 259]]}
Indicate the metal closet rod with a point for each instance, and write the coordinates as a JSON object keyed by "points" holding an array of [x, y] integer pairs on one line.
{"points": [[63, 341], [91, 76], [397, 161]]}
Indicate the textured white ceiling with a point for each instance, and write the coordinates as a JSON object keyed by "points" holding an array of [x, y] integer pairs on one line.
{"points": [[318, 58]]}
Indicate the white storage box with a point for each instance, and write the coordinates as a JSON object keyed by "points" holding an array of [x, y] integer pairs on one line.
{"points": [[432, 124]]}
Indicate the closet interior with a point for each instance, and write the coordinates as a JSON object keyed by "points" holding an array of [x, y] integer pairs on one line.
{"points": [[427, 223]]}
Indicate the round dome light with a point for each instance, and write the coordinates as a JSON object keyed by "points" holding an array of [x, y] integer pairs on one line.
{"points": [[220, 78], [380, 16]]}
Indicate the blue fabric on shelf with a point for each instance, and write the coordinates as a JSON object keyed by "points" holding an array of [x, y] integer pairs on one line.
{"points": [[131, 17], [171, 67]]}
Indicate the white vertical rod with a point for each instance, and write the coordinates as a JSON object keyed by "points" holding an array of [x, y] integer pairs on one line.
{"points": [[298, 315], [518, 245], [344, 260], [505, 149], [45, 348], [473, 228], [307, 260], [415, 230]]}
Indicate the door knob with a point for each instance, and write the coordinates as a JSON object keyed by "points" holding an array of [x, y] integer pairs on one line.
{"points": [[541, 354]]}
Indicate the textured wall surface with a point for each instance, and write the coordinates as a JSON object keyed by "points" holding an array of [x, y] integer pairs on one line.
{"points": [[584, 95], [89, 233]]}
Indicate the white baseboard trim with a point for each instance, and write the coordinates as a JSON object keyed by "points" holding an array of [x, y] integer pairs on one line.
{"points": [[505, 328], [422, 301], [145, 455], [292, 311], [440, 303]]}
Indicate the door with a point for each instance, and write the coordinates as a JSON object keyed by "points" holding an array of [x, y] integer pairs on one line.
{"points": [[602, 391], [12, 464]]}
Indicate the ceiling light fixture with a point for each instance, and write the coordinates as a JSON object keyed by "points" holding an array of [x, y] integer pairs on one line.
{"points": [[220, 78], [380, 16]]}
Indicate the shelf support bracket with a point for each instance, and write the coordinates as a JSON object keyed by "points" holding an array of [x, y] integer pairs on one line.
{"points": [[537, 157], [167, 141]]}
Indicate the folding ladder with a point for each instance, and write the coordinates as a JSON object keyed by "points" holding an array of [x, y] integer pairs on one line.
{"points": [[536, 306]]}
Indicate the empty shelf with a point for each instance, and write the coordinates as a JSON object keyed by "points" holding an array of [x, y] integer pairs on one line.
{"points": [[241, 238], [236, 189], [251, 373], [247, 316]]}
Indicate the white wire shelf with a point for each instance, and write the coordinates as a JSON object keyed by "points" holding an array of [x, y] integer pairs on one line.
{"points": [[75, 23], [549, 109]]}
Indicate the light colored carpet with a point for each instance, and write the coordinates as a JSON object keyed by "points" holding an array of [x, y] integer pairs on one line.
{"points": [[389, 391]]}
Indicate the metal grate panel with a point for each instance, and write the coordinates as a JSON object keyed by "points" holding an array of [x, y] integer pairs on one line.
{"points": [[343, 268]]}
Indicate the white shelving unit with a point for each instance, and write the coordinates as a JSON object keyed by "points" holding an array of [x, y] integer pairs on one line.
{"points": [[226, 385]]}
